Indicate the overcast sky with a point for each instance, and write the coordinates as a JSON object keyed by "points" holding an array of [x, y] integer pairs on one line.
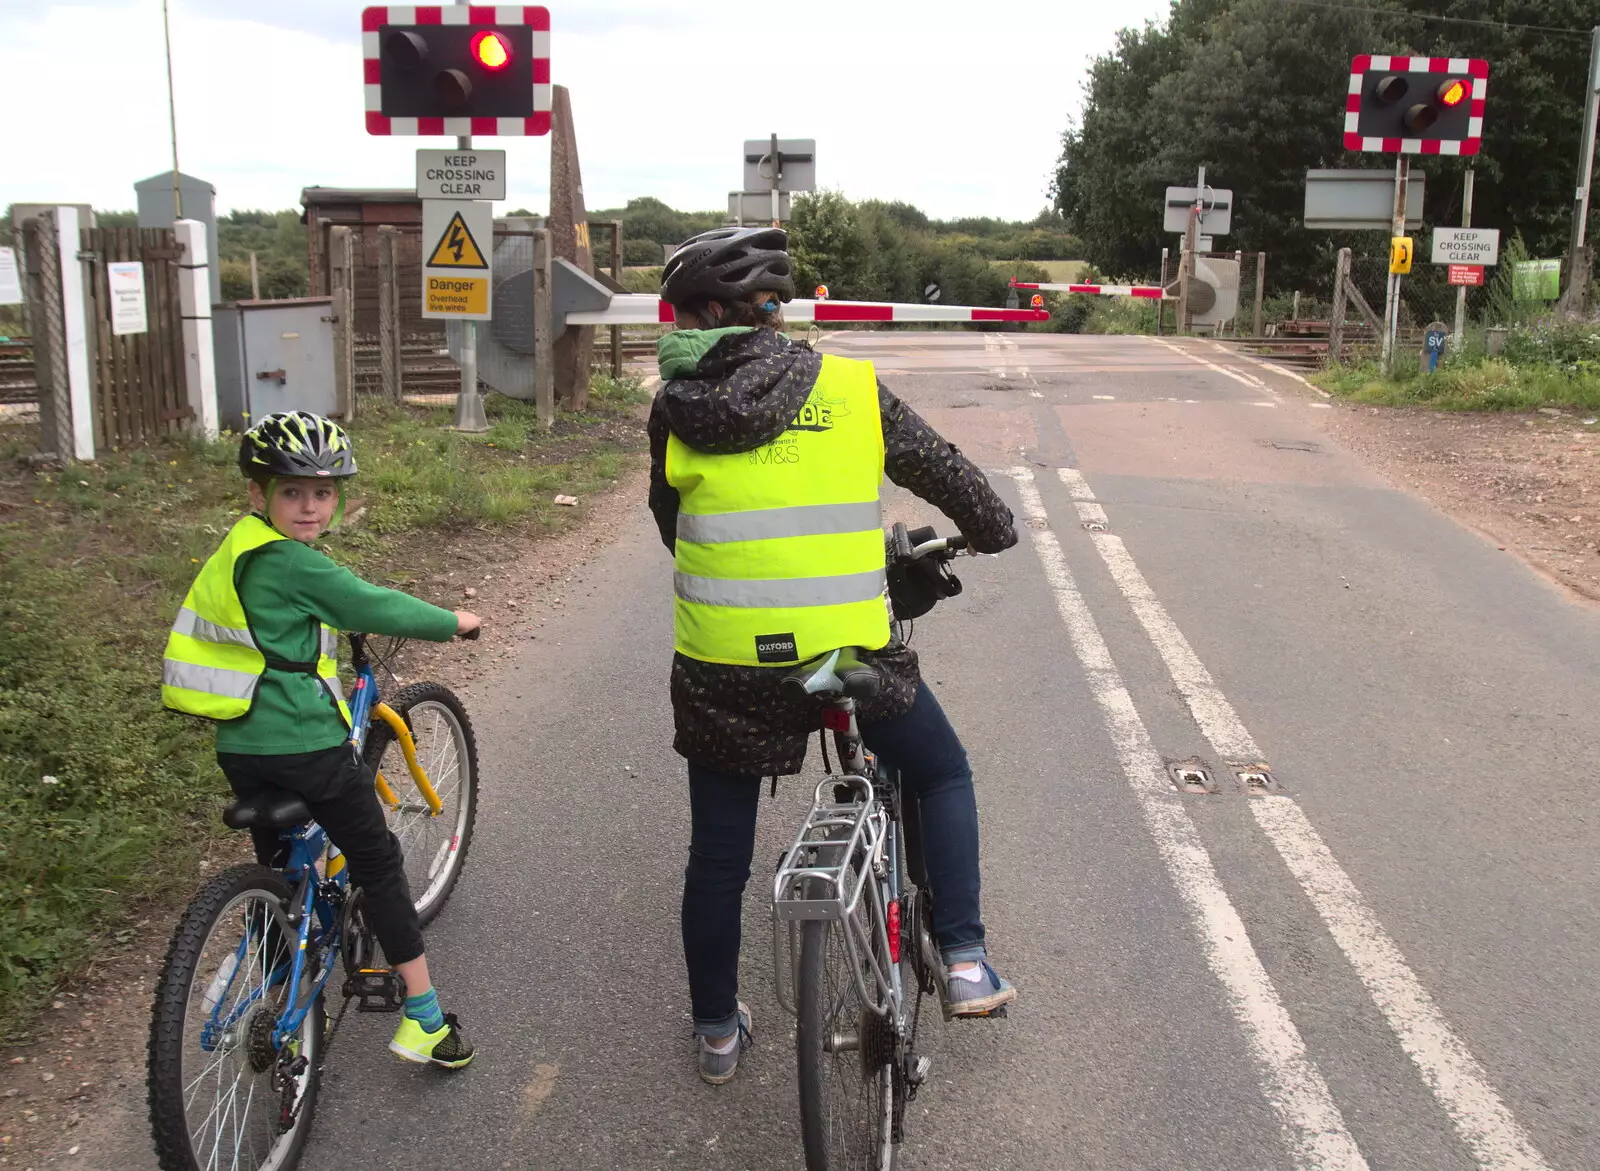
{"points": [[952, 105]]}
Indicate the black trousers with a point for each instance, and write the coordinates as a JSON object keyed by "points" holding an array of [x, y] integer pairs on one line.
{"points": [[338, 788]]}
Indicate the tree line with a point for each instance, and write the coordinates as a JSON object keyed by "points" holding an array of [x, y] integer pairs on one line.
{"points": [[648, 224], [1255, 91]]}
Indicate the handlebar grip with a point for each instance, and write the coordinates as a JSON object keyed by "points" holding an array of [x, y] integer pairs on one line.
{"points": [[902, 542]]}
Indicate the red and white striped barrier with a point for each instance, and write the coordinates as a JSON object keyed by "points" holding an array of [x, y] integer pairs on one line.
{"points": [[1153, 292], [649, 309]]}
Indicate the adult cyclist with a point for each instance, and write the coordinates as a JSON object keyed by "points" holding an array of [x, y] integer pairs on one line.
{"points": [[766, 464]]}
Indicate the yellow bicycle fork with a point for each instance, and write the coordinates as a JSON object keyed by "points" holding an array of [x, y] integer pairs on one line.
{"points": [[402, 734], [386, 794]]}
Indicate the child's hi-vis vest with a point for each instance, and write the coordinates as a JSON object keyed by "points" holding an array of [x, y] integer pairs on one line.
{"points": [[213, 665], [780, 550]]}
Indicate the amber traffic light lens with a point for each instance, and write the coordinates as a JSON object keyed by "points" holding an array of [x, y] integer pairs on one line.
{"points": [[1420, 117]]}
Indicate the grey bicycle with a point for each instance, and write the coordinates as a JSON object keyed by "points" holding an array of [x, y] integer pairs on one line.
{"points": [[853, 951]]}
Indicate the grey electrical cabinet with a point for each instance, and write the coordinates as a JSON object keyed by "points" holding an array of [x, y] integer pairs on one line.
{"points": [[274, 356]]}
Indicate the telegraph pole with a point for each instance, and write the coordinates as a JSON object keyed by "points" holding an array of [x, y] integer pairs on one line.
{"points": [[1578, 273], [1397, 227]]}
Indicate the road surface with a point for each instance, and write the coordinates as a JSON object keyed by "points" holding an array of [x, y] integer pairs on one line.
{"points": [[1382, 954]]}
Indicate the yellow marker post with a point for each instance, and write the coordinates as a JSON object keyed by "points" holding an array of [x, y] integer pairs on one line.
{"points": [[1400, 251]]}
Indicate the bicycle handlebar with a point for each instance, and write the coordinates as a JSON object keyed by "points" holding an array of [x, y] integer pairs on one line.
{"points": [[916, 544]]}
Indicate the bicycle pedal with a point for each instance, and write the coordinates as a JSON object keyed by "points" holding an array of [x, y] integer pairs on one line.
{"points": [[376, 990]]}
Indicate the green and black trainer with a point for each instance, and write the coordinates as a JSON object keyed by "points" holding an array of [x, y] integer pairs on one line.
{"points": [[448, 1047]]}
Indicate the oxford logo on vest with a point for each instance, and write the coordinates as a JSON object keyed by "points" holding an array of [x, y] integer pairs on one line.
{"points": [[776, 648]]}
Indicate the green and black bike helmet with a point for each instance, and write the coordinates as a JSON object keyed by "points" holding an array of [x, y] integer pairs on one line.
{"points": [[296, 443]]}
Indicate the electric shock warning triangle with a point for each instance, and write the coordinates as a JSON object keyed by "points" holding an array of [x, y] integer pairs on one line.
{"points": [[456, 247]]}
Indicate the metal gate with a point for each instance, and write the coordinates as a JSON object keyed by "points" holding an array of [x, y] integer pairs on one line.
{"points": [[138, 378]]}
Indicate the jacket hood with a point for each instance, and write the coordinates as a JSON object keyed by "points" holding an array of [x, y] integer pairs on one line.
{"points": [[735, 389]]}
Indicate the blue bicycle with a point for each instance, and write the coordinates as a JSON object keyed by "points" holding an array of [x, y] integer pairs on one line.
{"points": [[240, 1024]]}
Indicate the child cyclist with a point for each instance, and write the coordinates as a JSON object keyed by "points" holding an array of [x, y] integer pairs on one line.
{"points": [[253, 650]]}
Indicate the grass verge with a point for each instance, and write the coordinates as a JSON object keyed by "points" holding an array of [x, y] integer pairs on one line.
{"points": [[107, 800], [1552, 363], [1491, 384]]}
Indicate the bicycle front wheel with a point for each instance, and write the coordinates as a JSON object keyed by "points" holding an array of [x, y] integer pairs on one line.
{"points": [[225, 1095], [435, 844], [845, 1055]]}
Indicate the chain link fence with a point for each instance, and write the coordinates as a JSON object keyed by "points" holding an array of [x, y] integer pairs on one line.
{"points": [[1426, 296]]}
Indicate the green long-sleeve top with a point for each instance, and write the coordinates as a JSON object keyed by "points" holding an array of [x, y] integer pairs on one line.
{"points": [[284, 586]]}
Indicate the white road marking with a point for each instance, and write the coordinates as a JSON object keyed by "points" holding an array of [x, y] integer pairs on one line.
{"points": [[1105, 398], [1263, 404], [1483, 1122], [1249, 380], [1255, 361], [1315, 1130]]}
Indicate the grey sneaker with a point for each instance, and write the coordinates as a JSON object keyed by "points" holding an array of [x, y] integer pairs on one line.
{"points": [[717, 1068], [978, 997]]}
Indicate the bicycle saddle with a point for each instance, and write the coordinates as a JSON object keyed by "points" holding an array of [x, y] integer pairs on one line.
{"points": [[839, 672], [268, 809]]}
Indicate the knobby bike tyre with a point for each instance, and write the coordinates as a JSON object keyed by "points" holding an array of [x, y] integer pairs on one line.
{"points": [[211, 928], [846, 1105], [447, 748]]}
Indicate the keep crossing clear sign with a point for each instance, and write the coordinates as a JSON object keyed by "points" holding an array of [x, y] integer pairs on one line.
{"points": [[457, 240]]}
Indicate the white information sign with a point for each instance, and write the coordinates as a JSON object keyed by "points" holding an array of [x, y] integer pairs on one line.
{"points": [[10, 278], [461, 174], [457, 239], [126, 278], [1466, 245]]}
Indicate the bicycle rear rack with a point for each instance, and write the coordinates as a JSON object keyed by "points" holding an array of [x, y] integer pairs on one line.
{"points": [[833, 861]]}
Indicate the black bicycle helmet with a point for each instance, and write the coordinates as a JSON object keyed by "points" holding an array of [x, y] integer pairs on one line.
{"points": [[296, 443], [727, 265]]}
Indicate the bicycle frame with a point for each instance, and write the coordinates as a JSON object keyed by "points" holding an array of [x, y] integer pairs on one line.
{"points": [[316, 902]]}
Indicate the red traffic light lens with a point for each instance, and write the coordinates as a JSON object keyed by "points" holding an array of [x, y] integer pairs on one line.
{"points": [[491, 50], [1037, 302], [1391, 89], [1452, 93]]}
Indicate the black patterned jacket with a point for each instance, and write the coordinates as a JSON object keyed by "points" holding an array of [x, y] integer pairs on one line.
{"points": [[744, 392]]}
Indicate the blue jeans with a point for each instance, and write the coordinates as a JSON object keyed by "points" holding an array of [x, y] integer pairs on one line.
{"points": [[923, 746]]}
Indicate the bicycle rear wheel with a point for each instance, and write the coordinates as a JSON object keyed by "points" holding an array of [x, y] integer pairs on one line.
{"points": [[845, 1055], [435, 845], [223, 1097]]}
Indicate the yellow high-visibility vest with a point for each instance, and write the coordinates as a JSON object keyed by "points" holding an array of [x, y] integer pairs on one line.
{"points": [[213, 665], [779, 551]]}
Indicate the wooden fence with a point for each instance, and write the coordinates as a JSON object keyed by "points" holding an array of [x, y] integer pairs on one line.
{"points": [[139, 391]]}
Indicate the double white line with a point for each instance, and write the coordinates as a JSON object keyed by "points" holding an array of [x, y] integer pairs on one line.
{"points": [[1315, 1128]]}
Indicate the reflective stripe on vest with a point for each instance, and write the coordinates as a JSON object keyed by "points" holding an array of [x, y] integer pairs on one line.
{"points": [[806, 520], [779, 550], [212, 664], [196, 627], [211, 680], [778, 593]]}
